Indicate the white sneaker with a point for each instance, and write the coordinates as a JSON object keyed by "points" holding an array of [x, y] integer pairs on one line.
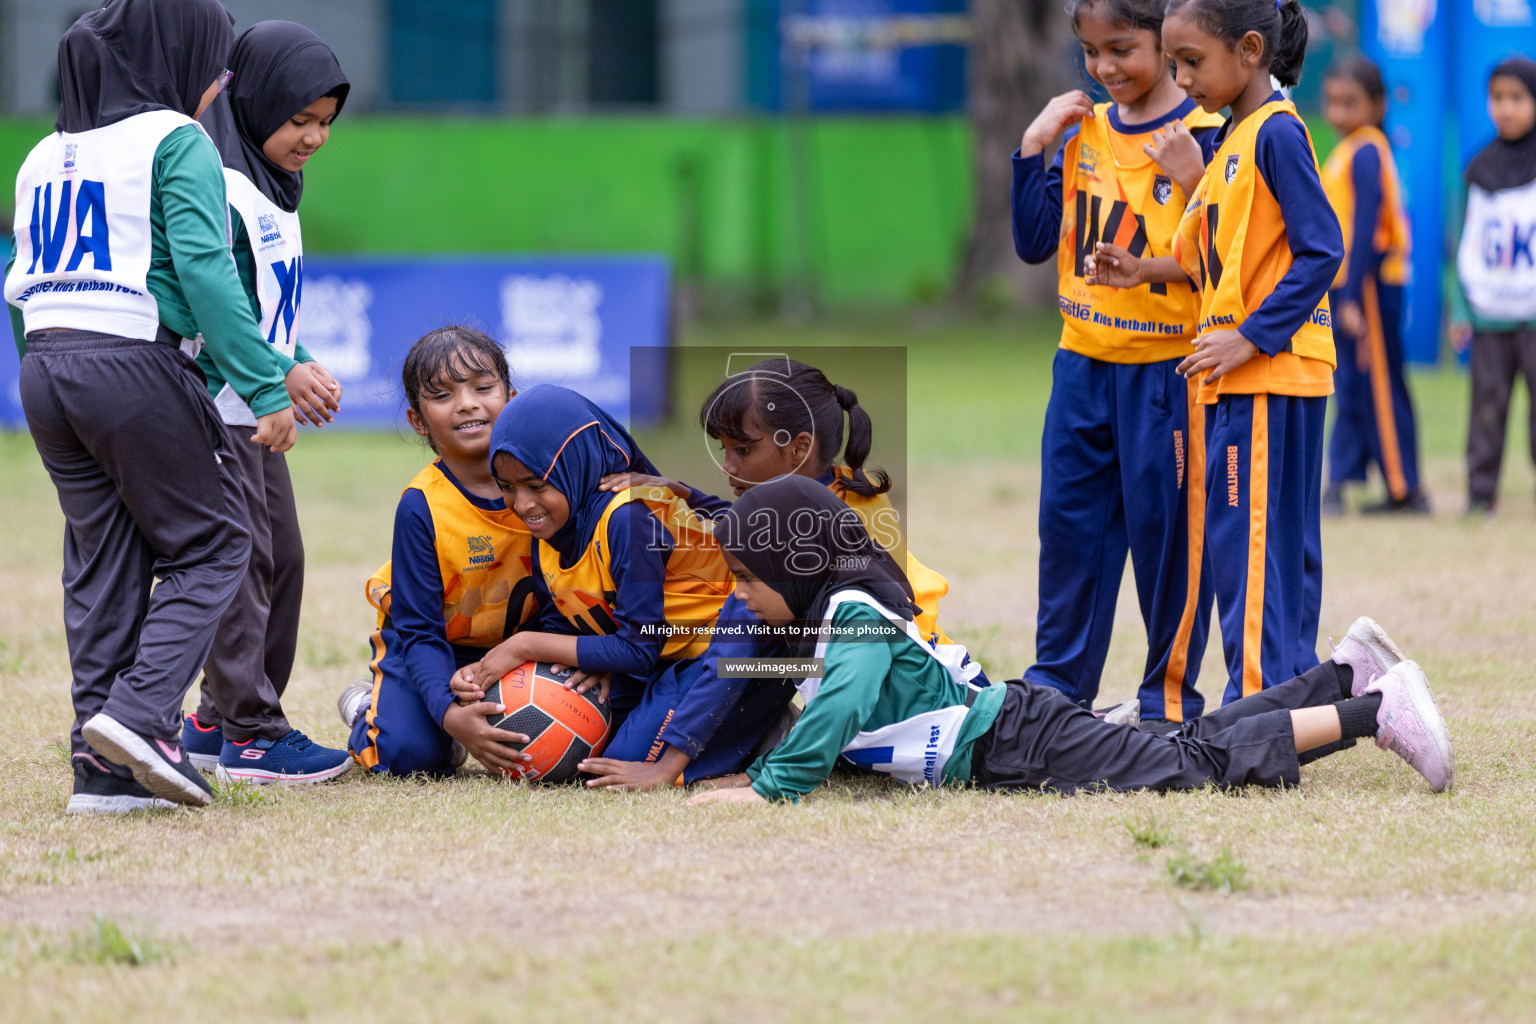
{"points": [[1410, 725], [354, 700], [1368, 652], [1128, 713]]}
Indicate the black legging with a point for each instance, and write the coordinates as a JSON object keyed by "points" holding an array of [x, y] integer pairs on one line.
{"points": [[1041, 740]]}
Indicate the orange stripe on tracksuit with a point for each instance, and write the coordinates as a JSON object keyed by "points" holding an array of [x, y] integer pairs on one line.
{"points": [[1263, 534], [368, 757], [1115, 480], [1381, 393], [1197, 597]]}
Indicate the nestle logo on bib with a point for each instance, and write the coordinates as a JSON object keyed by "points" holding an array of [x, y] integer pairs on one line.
{"points": [[268, 226], [480, 550], [69, 155]]}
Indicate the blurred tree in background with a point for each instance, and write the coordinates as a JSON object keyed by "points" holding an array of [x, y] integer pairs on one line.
{"points": [[1021, 56]]}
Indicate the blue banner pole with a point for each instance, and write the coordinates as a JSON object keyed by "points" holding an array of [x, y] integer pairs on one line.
{"points": [[1409, 40]]}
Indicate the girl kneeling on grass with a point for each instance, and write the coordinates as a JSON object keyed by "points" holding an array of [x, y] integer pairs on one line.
{"points": [[610, 570], [457, 581], [888, 703]]}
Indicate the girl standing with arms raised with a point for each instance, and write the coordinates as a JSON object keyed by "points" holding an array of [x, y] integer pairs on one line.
{"points": [[1122, 428], [121, 253], [1263, 241]]}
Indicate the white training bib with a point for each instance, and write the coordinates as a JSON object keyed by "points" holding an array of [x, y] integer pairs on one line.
{"points": [[83, 236], [1497, 258], [277, 253], [915, 749]]}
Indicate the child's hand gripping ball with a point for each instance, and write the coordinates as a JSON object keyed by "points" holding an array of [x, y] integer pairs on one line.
{"points": [[563, 727]]}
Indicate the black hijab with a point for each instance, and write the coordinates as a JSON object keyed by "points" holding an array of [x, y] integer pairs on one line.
{"points": [[133, 56], [1506, 164], [280, 68], [796, 536]]}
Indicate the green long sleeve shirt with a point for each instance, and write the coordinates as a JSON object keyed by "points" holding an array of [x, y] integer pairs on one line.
{"points": [[192, 275], [245, 264], [868, 685]]}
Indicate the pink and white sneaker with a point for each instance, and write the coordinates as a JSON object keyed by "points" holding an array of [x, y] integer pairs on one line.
{"points": [[1409, 724], [1368, 652]]}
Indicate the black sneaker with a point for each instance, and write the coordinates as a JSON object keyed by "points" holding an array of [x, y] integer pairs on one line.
{"points": [[1413, 505], [98, 791], [1481, 508], [162, 768]]}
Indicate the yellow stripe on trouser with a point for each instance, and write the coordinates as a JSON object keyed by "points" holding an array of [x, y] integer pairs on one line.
{"points": [[1258, 513], [1194, 498], [369, 757], [1381, 395]]}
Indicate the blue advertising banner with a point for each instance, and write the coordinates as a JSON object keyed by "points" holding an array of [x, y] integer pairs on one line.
{"points": [[858, 55], [563, 320], [1485, 31], [1408, 38]]}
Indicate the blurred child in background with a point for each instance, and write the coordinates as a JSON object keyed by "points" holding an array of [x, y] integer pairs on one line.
{"points": [[1496, 303], [1373, 412], [1123, 454], [1263, 240], [275, 115]]}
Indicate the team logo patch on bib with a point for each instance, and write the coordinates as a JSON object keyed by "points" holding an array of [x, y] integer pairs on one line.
{"points": [[1088, 163], [1231, 168], [1162, 189]]}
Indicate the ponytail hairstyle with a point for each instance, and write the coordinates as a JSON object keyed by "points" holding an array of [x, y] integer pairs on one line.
{"points": [[1361, 70], [452, 353], [784, 395], [1282, 24], [1136, 14]]}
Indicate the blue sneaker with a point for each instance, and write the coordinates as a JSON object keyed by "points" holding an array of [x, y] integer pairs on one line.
{"points": [[294, 758], [203, 743]]}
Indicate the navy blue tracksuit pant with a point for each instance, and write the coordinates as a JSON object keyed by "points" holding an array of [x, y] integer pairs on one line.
{"points": [[1263, 534], [1373, 413], [1120, 468]]}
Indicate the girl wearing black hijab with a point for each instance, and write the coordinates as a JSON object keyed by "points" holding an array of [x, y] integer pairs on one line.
{"points": [[888, 702], [286, 91], [1496, 266], [121, 254]]}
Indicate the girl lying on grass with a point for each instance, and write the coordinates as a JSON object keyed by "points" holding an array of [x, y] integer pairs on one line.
{"points": [[888, 702]]}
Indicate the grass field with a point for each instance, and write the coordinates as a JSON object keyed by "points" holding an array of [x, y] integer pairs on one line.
{"points": [[1359, 896]]}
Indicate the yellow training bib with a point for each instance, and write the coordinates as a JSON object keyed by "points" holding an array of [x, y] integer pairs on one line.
{"points": [[1111, 191], [697, 582], [1392, 238], [1233, 241], [485, 558]]}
